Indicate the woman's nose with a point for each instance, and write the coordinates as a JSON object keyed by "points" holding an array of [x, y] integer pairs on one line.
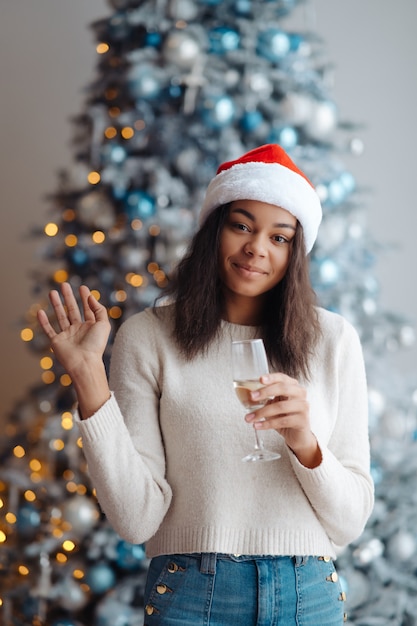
{"points": [[255, 246]]}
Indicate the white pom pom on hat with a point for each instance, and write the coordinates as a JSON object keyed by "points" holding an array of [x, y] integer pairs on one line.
{"points": [[267, 174]]}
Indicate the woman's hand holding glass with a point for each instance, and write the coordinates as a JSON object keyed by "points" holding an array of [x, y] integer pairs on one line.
{"points": [[287, 413]]}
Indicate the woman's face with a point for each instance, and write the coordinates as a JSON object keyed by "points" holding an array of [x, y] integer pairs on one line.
{"points": [[254, 252]]}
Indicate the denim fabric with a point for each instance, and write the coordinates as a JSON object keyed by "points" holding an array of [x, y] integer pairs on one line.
{"points": [[223, 590]]}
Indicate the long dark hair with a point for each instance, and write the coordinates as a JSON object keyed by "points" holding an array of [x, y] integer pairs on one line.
{"points": [[290, 328]]}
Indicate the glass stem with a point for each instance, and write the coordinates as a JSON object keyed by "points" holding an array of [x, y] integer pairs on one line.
{"points": [[259, 445]]}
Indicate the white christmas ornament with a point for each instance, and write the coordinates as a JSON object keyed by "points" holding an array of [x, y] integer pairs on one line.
{"points": [[402, 546], [296, 108], [81, 513], [181, 48], [322, 120]]}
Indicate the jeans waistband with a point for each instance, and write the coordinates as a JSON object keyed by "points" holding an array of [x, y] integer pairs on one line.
{"points": [[208, 560]]}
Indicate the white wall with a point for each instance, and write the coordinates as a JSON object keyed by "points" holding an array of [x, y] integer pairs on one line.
{"points": [[47, 56]]}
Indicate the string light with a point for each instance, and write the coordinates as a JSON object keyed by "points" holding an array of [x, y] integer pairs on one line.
{"points": [[152, 267], [102, 48], [68, 545], [61, 558], [51, 229], [154, 230], [57, 444], [111, 94], [127, 132], [61, 276], [48, 377], [98, 236], [46, 362], [68, 215], [110, 132], [93, 178], [35, 465], [120, 295], [115, 312], [67, 421], [136, 280], [136, 224], [139, 125], [29, 495], [71, 240], [19, 452], [65, 380], [26, 334]]}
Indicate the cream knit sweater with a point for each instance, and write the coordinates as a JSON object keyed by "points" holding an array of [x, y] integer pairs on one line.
{"points": [[164, 453]]}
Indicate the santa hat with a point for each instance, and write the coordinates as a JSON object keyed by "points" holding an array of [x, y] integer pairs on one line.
{"points": [[269, 175]]}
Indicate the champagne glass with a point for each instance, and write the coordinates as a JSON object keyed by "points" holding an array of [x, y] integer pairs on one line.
{"points": [[249, 363]]}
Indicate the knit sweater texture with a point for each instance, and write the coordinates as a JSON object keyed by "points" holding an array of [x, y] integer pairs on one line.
{"points": [[164, 452]]}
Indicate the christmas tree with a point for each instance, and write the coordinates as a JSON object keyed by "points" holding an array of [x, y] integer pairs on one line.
{"points": [[180, 86]]}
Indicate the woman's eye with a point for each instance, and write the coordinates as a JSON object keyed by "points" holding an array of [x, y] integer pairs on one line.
{"points": [[240, 226], [280, 239]]}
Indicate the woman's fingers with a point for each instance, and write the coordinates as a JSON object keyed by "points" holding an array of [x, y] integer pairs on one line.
{"points": [[71, 305], [45, 324], [65, 315], [68, 313], [93, 310], [88, 312]]}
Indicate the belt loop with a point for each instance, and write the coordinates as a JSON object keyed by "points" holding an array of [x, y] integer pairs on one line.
{"points": [[208, 562], [300, 560]]}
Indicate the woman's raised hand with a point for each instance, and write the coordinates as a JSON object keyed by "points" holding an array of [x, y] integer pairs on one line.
{"points": [[80, 343], [82, 336]]}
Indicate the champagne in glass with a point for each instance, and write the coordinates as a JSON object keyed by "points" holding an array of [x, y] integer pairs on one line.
{"points": [[249, 363]]}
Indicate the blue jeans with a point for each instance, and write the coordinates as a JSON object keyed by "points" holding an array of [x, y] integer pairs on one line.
{"points": [[222, 590]]}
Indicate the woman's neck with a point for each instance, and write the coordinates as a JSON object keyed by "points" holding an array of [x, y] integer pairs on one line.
{"points": [[244, 311]]}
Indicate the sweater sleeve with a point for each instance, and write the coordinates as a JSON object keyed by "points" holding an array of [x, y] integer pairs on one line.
{"points": [[122, 442], [340, 489]]}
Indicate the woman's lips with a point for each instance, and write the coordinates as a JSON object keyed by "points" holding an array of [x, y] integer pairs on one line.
{"points": [[249, 270]]}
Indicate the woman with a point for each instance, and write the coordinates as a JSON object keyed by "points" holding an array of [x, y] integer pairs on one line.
{"points": [[230, 542]]}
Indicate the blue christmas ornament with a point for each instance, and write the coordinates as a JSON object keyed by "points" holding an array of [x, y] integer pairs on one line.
{"points": [[329, 272], [28, 519], [285, 136], [223, 39], [144, 81], [114, 153], [78, 257], [283, 6], [273, 44], [336, 192], [153, 40], [129, 555], [296, 41], [113, 612], [64, 621], [251, 120], [174, 92], [348, 181], [100, 578], [243, 7], [139, 204], [218, 111]]}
